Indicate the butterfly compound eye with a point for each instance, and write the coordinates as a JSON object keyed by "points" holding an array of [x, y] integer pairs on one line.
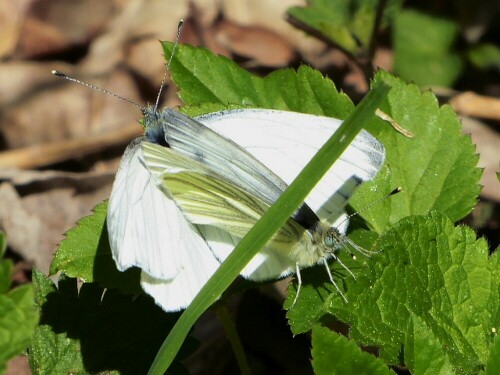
{"points": [[332, 238]]}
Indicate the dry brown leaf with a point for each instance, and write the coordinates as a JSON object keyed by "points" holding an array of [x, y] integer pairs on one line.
{"points": [[40, 38], [261, 45], [140, 20], [487, 142], [42, 155], [20, 80], [271, 15], [12, 14], [35, 223], [44, 180], [68, 111], [474, 105], [23, 230], [54, 26]]}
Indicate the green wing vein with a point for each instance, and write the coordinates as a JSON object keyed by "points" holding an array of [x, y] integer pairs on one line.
{"points": [[207, 198]]}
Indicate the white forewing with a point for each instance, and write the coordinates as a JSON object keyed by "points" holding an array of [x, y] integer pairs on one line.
{"points": [[192, 139], [286, 141], [147, 230]]}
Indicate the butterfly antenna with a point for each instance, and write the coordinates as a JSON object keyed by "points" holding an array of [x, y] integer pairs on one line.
{"points": [[62, 75], [343, 240], [374, 203], [164, 79]]}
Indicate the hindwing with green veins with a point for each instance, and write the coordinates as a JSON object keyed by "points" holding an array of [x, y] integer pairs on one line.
{"points": [[209, 199]]}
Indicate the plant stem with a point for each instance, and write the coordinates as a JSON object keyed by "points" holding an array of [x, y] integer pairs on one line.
{"points": [[233, 338]]}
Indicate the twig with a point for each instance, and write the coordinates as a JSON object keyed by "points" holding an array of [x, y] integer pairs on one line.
{"points": [[55, 152], [474, 105]]}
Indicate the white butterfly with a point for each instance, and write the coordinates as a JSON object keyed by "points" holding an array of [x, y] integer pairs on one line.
{"points": [[177, 213]]}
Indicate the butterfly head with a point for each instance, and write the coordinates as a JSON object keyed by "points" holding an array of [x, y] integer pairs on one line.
{"points": [[325, 243], [154, 131], [332, 239], [327, 240]]}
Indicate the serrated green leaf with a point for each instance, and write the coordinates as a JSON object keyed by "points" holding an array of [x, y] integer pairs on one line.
{"points": [[85, 253], [423, 49], [435, 271], [208, 79], [437, 168], [424, 354], [18, 316], [92, 331], [493, 363], [335, 354]]}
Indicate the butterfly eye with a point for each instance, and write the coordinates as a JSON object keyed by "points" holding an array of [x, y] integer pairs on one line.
{"points": [[332, 238]]}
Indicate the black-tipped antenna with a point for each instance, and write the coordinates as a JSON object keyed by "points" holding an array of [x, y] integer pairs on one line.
{"points": [[394, 192], [164, 79], [179, 29], [60, 74]]}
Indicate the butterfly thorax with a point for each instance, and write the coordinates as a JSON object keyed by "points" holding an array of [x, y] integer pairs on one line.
{"points": [[321, 242], [154, 131]]}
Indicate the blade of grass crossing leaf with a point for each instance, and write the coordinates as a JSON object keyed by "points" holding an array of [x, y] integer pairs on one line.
{"points": [[269, 224]]}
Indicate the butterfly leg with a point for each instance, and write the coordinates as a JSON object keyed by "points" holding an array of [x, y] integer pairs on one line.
{"points": [[344, 267], [333, 282], [299, 284]]}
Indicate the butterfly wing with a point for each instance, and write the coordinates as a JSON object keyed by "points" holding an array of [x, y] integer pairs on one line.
{"points": [[214, 203], [207, 198], [286, 141], [282, 140], [146, 229], [197, 142]]}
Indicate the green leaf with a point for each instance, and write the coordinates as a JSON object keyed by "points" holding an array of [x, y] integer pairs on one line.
{"points": [[437, 168], [493, 363], [92, 331], [18, 316], [217, 83], [485, 56], [433, 270], [423, 49], [85, 253], [348, 24], [423, 351], [335, 354]]}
